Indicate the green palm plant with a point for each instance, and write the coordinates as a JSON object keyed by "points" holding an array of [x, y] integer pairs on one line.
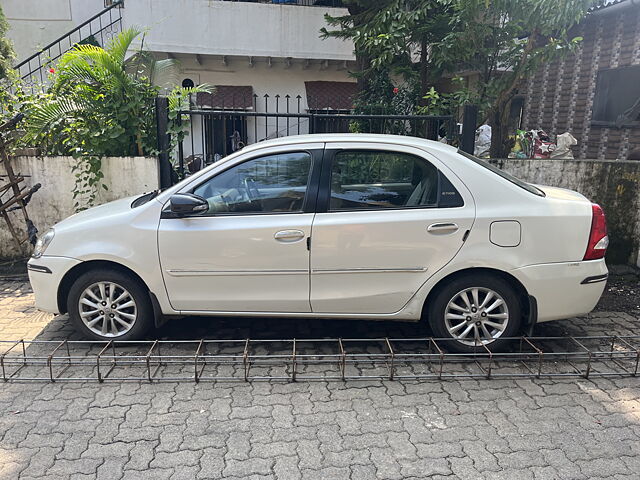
{"points": [[107, 98], [101, 103]]}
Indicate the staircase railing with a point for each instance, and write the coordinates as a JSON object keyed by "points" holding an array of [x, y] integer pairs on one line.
{"points": [[100, 28]]}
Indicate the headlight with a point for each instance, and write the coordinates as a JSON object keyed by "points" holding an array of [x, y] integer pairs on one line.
{"points": [[42, 243]]}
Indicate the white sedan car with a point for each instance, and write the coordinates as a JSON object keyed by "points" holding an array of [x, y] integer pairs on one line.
{"points": [[332, 226]]}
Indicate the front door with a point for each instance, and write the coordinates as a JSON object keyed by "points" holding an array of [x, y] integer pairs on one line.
{"points": [[248, 253], [392, 220]]}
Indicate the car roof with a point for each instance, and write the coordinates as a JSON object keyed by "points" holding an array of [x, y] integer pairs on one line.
{"points": [[353, 137]]}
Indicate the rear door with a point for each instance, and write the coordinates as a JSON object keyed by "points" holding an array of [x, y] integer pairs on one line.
{"points": [[388, 218]]}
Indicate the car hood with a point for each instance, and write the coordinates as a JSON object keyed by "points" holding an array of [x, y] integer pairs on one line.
{"points": [[100, 213]]}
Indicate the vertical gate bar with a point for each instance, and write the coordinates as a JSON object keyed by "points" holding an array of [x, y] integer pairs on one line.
{"points": [[203, 139], [288, 97], [255, 118], [298, 98], [244, 360], [293, 362], [343, 359], [391, 352], [195, 374], [266, 118], [193, 146], [162, 122], [277, 112]]}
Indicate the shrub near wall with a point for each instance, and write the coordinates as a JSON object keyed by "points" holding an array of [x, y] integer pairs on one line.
{"points": [[613, 184]]}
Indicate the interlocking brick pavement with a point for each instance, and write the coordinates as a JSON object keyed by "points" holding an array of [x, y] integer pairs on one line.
{"points": [[469, 429]]}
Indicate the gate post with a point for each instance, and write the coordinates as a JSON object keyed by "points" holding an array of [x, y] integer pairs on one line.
{"points": [[469, 123], [162, 124]]}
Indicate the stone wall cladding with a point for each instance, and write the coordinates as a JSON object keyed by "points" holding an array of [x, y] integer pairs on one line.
{"points": [[559, 97]]}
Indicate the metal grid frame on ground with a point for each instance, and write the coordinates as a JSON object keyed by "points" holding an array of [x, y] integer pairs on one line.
{"points": [[339, 359]]}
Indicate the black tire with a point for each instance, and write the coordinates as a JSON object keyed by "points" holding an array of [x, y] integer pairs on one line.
{"points": [[143, 309], [438, 305]]}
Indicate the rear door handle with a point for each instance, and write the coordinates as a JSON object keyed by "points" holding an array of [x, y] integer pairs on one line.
{"points": [[436, 228], [289, 236]]}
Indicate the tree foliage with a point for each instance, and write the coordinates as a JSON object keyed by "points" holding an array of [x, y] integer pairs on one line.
{"points": [[7, 55], [500, 41], [396, 38], [100, 103], [505, 41]]}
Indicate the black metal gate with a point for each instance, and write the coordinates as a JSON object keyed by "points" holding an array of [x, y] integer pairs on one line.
{"points": [[212, 134]]}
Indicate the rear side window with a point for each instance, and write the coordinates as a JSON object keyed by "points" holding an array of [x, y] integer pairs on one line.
{"points": [[369, 179], [516, 181]]}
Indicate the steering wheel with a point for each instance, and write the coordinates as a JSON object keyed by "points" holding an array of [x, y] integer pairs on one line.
{"points": [[250, 187]]}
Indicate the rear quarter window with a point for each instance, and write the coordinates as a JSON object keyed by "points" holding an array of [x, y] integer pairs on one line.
{"points": [[516, 181]]}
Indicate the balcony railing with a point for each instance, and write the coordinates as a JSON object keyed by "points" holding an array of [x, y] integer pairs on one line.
{"points": [[98, 29]]}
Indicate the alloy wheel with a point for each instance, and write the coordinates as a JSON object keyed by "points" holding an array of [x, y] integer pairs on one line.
{"points": [[107, 309], [476, 316]]}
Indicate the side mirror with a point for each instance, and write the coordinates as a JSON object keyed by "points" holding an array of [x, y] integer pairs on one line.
{"points": [[184, 204]]}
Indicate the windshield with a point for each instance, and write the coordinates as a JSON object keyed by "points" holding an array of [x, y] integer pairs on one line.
{"points": [[516, 181]]}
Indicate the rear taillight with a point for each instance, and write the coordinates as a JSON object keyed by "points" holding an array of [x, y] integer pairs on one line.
{"points": [[598, 239]]}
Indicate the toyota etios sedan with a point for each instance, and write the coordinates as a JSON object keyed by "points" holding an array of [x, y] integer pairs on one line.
{"points": [[332, 226]]}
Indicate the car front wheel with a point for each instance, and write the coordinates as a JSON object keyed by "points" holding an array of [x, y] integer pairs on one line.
{"points": [[474, 312], [109, 305]]}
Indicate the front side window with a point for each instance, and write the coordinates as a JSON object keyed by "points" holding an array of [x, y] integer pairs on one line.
{"points": [[369, 179], [269, 184]]}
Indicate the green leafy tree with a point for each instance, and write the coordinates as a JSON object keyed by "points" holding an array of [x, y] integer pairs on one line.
{"points": [[505, 41], [398, 35], [7, 55], [502, 40], [394, 42]]}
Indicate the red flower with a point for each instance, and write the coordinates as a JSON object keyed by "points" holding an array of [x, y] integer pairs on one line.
{"points": [[52, 70], [396, 90]]}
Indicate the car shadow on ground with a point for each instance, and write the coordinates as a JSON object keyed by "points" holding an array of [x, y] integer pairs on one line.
{"points": [[234, 328]]}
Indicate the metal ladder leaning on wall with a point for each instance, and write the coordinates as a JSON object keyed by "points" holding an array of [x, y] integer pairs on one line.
{"points": [[14, 196]]}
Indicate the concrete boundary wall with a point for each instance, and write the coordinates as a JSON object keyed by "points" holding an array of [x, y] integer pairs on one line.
{"points": [[124, 176], [614, 184]]}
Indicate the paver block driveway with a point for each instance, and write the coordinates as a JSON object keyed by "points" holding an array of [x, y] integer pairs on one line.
{"points": [[511, 429]]}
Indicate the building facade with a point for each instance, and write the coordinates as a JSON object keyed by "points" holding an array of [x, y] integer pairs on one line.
{"points": [[261, 56], [593, 93]]}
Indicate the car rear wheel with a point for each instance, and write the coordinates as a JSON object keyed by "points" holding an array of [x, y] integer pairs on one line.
{"points": [[476, 311], [109, 305]]}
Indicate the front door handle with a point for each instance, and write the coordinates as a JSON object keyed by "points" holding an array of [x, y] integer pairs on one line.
{"points": [[437, 228], [289, 236]]}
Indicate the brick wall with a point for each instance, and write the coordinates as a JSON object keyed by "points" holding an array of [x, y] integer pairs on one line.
{"points": [[559, 97]]}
